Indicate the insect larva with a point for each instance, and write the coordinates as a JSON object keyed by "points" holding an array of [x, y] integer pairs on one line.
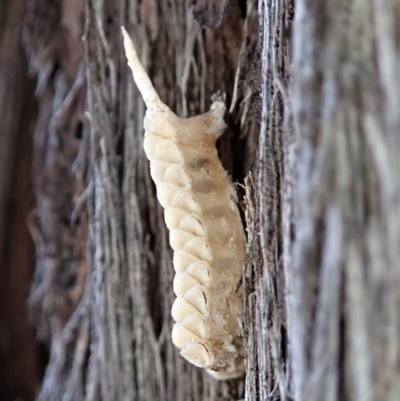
{"points": [[206, 232]]}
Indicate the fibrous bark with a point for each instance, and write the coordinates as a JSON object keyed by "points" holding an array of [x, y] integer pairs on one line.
{"points": [[267, 370], [99, 223], [321, 204], [343, 263]]}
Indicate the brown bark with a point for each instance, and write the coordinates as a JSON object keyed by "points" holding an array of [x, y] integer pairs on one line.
{"points": [[103, 302], [19, 369], [314, 136]]}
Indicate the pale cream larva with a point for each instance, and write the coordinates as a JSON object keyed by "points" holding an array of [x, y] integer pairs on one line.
{"points": [[206, 232]]}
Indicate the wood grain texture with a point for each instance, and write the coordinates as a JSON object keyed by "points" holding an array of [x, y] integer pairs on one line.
{"points": [[116, 343], [344, 324], [321, 285]]}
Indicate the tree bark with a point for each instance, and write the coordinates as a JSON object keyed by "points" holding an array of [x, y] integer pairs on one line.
{"points": [[313, 137], [102, 294], [344, 275], [19, 367]]}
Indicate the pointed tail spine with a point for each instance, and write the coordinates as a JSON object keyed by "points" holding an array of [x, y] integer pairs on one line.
{"points": [[140, 76]]}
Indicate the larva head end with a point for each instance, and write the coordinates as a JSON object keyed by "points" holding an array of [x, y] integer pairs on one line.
{"points": [[219, 96], [218, 105], [217, 111]]}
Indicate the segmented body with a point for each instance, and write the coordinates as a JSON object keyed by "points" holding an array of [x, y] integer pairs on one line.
{"points": [[206, 232]]}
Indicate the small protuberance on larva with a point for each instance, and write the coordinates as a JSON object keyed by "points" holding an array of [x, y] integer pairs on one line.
{"points": [[206, 232]]}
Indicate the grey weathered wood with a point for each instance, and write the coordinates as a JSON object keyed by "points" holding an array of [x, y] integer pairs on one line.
{"points": [[344, 275], [266, 220], [321, 205], [109, 331]]}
